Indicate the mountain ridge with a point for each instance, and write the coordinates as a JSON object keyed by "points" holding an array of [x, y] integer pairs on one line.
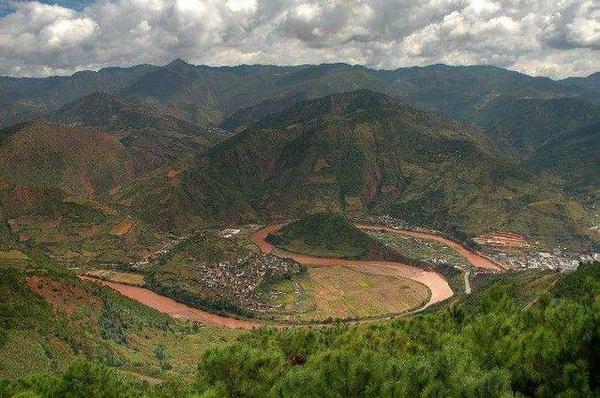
{"points": [[367, 152]]}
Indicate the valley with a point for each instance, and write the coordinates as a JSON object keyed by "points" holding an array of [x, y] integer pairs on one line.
{"points": [[311, 230]]}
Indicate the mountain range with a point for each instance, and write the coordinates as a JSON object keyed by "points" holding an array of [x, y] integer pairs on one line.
{"points": [[466, 150]]}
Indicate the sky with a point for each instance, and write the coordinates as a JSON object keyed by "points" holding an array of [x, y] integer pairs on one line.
{"points": [[555, 38]]}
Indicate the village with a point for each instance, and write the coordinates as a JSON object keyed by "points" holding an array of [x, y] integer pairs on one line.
{"points": [[235, 281]]}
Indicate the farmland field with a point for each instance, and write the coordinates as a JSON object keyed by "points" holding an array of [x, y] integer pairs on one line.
{"points": [[340, 292], [420, 249], [129, 278]]}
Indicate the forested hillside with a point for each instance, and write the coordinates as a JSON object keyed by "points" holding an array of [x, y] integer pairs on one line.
{"points": [[362, 152], [525, 334]]}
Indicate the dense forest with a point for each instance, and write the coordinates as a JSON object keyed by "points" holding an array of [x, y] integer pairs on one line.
{"points": [[522, 335]]}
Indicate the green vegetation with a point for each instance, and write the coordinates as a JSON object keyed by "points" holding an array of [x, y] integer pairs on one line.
{"points": [[427, 255], [526, 125], [153, 134], [323, 235], [328, 294], [361, 152], [572, 160], [194, 198], [49, 319], [518, 336], [73, 159], [487, 346]]}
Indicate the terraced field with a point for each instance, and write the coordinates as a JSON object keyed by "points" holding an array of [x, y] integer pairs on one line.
{"points": [[348, 292]]}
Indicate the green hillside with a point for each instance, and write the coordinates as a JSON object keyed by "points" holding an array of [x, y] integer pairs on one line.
{"points": [[572, 158], [526, 334], [208, 95], [203, 94], [75, 160], [360, 152], [49, 320], [153, 134], [323, 235], [526, 125], [26, 99], [367, 152], [181, 196]]}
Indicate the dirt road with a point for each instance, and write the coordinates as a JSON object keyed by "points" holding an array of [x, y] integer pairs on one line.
{"points": [[440, 289], [173, 308]]}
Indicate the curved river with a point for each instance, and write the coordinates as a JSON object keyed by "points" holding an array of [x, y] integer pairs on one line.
{"points": [[439, 287]]}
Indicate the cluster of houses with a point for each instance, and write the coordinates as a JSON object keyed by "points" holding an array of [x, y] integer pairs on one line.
{"points": [[555, 260], [239, 279]]}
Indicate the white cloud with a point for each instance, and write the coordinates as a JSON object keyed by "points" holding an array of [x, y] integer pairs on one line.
{"points": [[553, 37]]}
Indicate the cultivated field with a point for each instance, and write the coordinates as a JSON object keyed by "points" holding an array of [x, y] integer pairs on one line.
{"points": [[420, 249], [340, 292], [128, 278]]}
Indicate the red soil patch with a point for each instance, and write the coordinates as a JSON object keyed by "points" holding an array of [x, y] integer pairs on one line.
{"points": [[123, 227], [90, 232], [173, 308], [24, 197], [439, 287], [388, 188], [61, 296], [50, 224], [173, 176], [19, 222], [86, 182]]}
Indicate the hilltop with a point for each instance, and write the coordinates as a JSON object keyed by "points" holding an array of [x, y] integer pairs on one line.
{"points": [[324, 235], [152, 133], [72, 159]]}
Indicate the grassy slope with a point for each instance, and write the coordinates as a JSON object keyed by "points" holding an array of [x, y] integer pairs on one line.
{"points": [[49, 319], [573, 157], [525, 125], [152, 133], [72, 159], [181, 196], [77, 231]]}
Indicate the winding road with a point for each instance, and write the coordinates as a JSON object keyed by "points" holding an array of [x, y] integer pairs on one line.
{"points": [[439, 287]]}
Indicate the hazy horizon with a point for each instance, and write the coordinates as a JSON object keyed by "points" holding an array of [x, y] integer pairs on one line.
{"points": [[59, 37]]}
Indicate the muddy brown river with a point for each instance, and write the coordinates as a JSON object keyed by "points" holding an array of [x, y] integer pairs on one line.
{"points": [[439, 287]]}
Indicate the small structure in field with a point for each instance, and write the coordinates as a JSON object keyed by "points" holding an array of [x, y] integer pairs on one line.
{"points": [[229, 232], [503, 240]]}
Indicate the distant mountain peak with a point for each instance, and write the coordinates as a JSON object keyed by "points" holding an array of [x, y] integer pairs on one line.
{"points": [[595, 75], [178, 63]]}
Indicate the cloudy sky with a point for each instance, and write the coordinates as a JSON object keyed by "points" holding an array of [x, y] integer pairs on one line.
{"points": [[555, 38]]}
